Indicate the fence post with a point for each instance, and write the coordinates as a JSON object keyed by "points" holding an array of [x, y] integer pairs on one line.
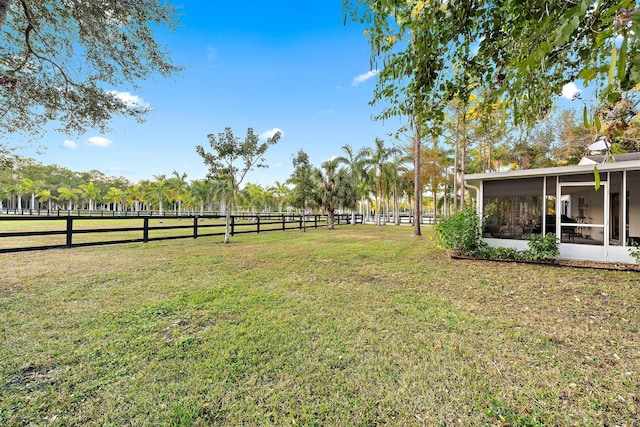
{"points": [[195, 226], [69, 231], [282, 222], [145, 231], [233, 223], [300, 222], [258, 224]]}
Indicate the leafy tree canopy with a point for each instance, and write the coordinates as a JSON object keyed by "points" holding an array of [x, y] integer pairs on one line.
{"points": [[303, 180], [231, 160], [62, 61], [520, 52]]}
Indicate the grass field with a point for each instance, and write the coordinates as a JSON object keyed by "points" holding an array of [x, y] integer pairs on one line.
{"points": [[361, 326]]}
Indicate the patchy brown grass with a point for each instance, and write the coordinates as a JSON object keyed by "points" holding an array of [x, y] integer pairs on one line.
{"points": [[360, 326]]}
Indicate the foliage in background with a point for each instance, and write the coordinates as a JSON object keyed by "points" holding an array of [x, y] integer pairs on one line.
{"points": [[303, 180], [336, 189], [461, 234]]}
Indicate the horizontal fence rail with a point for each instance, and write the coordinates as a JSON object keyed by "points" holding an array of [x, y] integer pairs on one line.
{"points": [[78, 231]]}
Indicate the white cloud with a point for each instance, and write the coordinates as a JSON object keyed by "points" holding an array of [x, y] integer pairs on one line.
{"points": [[98, 141], [131, 101], [570, 90], [364, 77], [325, 112], [270, 133], [69, 144]]}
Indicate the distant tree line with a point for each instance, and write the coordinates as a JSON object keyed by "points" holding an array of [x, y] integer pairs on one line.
{"points": [[375, 181]]}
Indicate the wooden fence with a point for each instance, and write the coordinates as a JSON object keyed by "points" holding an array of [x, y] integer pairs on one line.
{"points": [[77, 231]]}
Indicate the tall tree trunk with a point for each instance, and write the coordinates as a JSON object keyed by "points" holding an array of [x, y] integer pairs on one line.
{"points": [[229, 210], [331, 218], [227, 228], [304, 216], [455, 177], [417, 187], [462, 170], [434, 219], [396, 206]]}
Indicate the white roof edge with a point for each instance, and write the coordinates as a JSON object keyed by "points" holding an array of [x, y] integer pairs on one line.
{"points": [[558, 170]]}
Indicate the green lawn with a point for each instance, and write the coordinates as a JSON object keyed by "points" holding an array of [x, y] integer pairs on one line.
{"points": [[360, 326]]}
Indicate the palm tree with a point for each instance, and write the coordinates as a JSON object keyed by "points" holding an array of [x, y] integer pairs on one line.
{"points": [[254, 195], [159, 190], [45, 196], [177, 189], [28, 186], [91, 192], [4, 195], [281, 195], [199, 191], [206, 191], [134, 196], [146, 197], [392, 184], [378, 158], [115, 196], [336, 190], [190, 203], [221, 190], [355, 161], [434, 166], [15, 194], [69, 194], [305, 180]]}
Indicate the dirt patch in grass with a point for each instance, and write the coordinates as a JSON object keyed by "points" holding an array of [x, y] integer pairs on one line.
{"points": [[30, 378]]}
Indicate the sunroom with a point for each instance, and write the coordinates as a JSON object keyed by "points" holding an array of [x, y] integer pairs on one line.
{"points": [[595, 216]]}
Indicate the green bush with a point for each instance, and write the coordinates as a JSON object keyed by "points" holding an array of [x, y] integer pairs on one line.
{"points": [[461, 233], [505, 253], [542, 248]]}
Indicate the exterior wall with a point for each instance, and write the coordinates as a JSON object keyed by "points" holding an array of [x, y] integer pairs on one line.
{"points": [[600, 235], [582, 252], [520, 245], [573, 251], [620, 254]]}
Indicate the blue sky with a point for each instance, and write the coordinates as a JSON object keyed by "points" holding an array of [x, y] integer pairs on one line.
{"points": [[267, 65], [284, 65]]}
